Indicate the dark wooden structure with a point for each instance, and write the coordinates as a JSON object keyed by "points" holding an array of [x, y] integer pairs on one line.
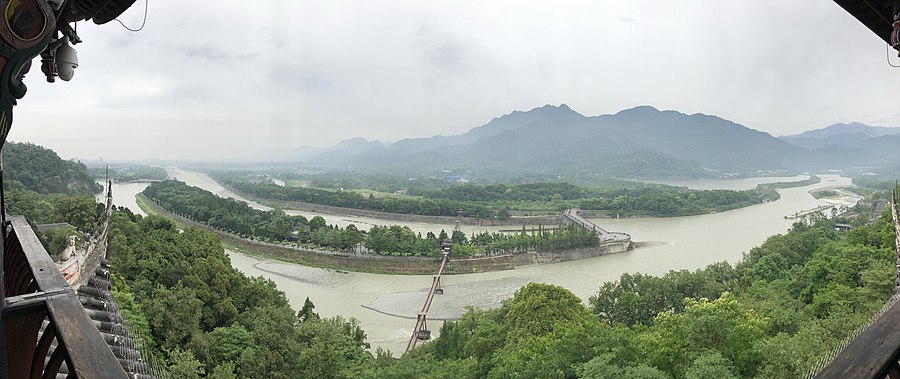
{"points": [[875, 352], [43, 326], [40, 311], [877, 15]]}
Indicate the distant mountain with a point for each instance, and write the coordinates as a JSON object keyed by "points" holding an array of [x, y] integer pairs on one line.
{"points": [[848, 145], [839, 129], [557, 139], [642, 141]]}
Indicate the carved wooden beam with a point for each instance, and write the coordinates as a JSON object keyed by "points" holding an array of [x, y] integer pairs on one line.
{"points": [[29, 28], [26, 27]]}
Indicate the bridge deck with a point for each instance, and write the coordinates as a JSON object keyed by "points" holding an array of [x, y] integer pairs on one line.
{"points": [[421, 322], [603, 234]]}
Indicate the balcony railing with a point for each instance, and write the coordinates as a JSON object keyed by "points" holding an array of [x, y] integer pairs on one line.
{"points": [[42, 322]]}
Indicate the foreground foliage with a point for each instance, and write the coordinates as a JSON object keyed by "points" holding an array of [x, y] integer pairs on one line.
{"points": [[773, 315], [210, 320]]}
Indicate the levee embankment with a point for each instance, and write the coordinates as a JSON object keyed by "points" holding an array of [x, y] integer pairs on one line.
{"points": [[515, 221], [394, 265]]}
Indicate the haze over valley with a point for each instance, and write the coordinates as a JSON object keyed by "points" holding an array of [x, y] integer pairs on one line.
{"points": [[528, 189]]}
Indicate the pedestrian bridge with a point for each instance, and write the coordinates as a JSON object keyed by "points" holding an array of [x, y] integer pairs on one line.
{"points": [[604, 235]]}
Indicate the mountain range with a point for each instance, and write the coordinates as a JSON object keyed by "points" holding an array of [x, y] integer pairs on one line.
{"points": [[855, 143], [641, 141]]}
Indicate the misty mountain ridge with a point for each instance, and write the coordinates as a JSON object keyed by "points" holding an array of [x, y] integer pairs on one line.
{"points": [[852, 144], [841, 128], [640, 141]]}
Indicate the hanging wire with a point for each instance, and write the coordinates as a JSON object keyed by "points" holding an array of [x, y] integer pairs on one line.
{"points": [[146, 4], [888, 52]]}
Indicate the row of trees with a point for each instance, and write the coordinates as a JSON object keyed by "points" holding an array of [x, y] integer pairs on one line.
{"points": [[226, 213], [239, 218], [397, 240]]}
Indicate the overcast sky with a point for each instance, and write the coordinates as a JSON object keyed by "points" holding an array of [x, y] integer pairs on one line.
{"points": [[203, 81]]}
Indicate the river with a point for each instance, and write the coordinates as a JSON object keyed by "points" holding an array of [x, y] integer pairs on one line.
{"points": [[733, 184], [124, 195], [386, 304]]}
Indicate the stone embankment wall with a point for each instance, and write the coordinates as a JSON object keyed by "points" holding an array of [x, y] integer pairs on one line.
{"points": [[399, 265], [535, 257]]}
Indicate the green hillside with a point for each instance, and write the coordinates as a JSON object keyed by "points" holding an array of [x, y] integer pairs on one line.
{"points": [[36, 168]]}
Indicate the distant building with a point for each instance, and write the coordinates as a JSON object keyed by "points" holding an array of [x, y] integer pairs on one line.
{"points": [[842, 227]]}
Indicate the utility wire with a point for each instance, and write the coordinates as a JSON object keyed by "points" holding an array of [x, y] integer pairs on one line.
{"points": [[146, 4], [888, 53]]}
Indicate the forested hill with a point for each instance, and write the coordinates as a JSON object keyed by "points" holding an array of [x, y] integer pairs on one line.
{"points": [[41, 170], [642, 141]]}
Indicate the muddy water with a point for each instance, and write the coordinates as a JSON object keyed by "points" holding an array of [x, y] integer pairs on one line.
{"points": [[387, 304], [123, 195]]}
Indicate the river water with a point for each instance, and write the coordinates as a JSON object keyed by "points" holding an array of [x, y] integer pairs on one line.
{"points": [[735, 184], [124, 195], [386, 305]]}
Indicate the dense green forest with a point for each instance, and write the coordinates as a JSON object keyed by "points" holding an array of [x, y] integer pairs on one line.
{"points": [[126, 172], [179, 291], [38, 169], [237, 217], [496, 201]]}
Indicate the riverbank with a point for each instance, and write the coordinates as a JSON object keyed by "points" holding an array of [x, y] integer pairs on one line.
{"points": [[387, 264]]}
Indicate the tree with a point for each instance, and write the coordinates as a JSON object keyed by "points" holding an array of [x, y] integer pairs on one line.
{"points": [[307, 312], [537, 309], [227, 344], [601, 367], [80, 211], [174, 314], [183, 365], [316, 222], [710, 365], [223, 371], [722, 325]]}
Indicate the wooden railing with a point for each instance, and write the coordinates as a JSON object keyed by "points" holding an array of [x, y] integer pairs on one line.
{"points": [[42, 323], [875, 352]]}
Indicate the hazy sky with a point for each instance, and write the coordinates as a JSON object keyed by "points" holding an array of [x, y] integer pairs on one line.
{"points": [[204, 81]]}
